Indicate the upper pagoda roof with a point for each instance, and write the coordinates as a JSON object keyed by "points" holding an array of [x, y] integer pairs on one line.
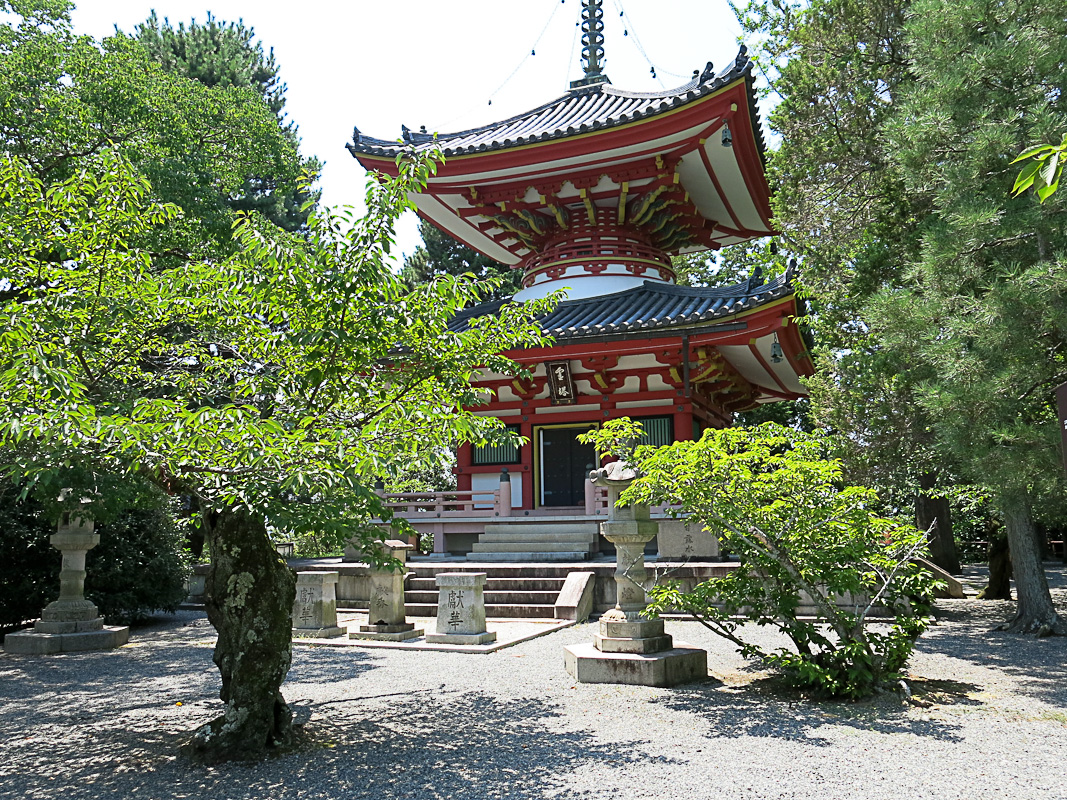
{"points": [[587, 108]]}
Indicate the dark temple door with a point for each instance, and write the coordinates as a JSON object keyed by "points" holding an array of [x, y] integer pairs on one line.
{"points": [[564, 466]]}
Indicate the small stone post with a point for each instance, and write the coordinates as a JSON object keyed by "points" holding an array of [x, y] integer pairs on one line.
{"points": [[72, 622], [386, 619], [315, 606], [505, 493], [461, 609], [631, 648]]}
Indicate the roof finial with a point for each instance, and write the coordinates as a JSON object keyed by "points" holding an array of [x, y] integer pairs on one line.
{"points": [[592, 44]]}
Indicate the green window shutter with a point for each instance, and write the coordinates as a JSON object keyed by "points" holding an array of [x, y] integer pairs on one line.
{"points": [[496, 453], [657, 431]]}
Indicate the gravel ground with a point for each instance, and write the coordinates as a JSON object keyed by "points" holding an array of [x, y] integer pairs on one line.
{"points": [[392, 724]]}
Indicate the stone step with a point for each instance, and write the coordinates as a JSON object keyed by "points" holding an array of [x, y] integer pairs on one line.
{"points": [[579, 537], [521, 527], [525, 547], [520, 597], [495, 584], [571, 555], [508, 611]]}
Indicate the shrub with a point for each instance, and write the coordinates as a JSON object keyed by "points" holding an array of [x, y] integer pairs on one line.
{"points": [[779, 503], [139, 566], [29, 577]]}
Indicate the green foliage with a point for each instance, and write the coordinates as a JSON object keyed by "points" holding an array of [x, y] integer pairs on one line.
{"points": [[984, 306], [282, 380], [759, 257], [1044, 171], [139, 566], [30, 578], [227, 55], [777, 499], [68, 99], [440, 254]]}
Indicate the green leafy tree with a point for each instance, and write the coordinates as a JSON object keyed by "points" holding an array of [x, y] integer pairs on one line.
{"points": [[440, 254], [68, 98], [777, 501], [220, 54], [272, 386], [984, 305]]}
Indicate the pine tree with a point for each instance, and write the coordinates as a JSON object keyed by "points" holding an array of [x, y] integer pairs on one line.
{"points": [[227, 54], [984, 303]]}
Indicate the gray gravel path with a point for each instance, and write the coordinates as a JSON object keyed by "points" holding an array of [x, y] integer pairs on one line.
{"points": [[398, 724]]}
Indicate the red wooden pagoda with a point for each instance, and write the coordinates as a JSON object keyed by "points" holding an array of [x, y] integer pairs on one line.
{"points": [[593, 193]]}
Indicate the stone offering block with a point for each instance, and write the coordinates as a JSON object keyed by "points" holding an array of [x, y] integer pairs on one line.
{"points": [[315, 607], [686, 540], [461, 609]]}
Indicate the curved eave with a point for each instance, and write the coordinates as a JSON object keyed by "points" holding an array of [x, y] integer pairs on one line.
{"points": [[577, 112]]}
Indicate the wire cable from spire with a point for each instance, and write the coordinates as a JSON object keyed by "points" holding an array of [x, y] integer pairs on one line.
{"points": [[630, 31], [531, 53]]}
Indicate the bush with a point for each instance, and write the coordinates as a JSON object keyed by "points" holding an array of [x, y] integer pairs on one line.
{"points": [[29, 577], [802, 536], [138, 567]]}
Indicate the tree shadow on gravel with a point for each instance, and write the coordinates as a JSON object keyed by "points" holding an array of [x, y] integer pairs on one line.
{"points": [[965, 630], [424, 744], [765, 707]]}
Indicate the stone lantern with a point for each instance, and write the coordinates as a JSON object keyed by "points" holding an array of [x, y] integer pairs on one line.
{"points": [[71, 622], [630, 648]]}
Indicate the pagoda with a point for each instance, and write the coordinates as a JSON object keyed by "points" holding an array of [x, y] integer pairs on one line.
{"points": [[591, 194]]}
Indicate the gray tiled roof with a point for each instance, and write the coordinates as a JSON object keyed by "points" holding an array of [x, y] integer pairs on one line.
{"points": [[588, 108], [653, 306]]}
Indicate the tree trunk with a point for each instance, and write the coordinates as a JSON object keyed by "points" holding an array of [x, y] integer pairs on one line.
{"points": [[250, 593], [935, 511], [999, 586], [1035, 613]]}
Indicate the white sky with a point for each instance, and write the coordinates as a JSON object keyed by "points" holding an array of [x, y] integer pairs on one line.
{"points": [[379, 64]]}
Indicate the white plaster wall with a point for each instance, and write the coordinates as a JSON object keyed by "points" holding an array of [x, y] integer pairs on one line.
{"points": [[488, 481]]}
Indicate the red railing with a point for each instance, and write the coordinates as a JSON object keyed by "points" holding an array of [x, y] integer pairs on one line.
{"points": [[477, 503]]}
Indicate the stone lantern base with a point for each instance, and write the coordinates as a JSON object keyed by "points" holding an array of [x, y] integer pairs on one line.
{"points": [[633, 650], [683, 663], [36, 643]]}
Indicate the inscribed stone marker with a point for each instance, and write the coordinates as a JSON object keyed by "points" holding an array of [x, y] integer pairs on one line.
{"points": [[461, 609], [315, 606]]}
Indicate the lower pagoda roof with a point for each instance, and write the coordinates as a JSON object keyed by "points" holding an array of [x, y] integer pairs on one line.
{"points": [[652, 308]]}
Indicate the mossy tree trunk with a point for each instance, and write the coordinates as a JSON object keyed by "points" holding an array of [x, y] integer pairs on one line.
{"points": [[1035, 613], [250, 593]]}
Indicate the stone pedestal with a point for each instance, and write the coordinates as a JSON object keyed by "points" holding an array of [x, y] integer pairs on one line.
{"points": [[630, 648], [386, 619], [70, 623], [461, 609], [315, 607]]}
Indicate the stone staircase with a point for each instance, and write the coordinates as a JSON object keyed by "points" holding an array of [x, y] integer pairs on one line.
{"points": [[508, 595], [536, 540]]}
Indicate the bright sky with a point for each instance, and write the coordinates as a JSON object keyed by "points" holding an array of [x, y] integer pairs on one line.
{"points": [[377, 65]]}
